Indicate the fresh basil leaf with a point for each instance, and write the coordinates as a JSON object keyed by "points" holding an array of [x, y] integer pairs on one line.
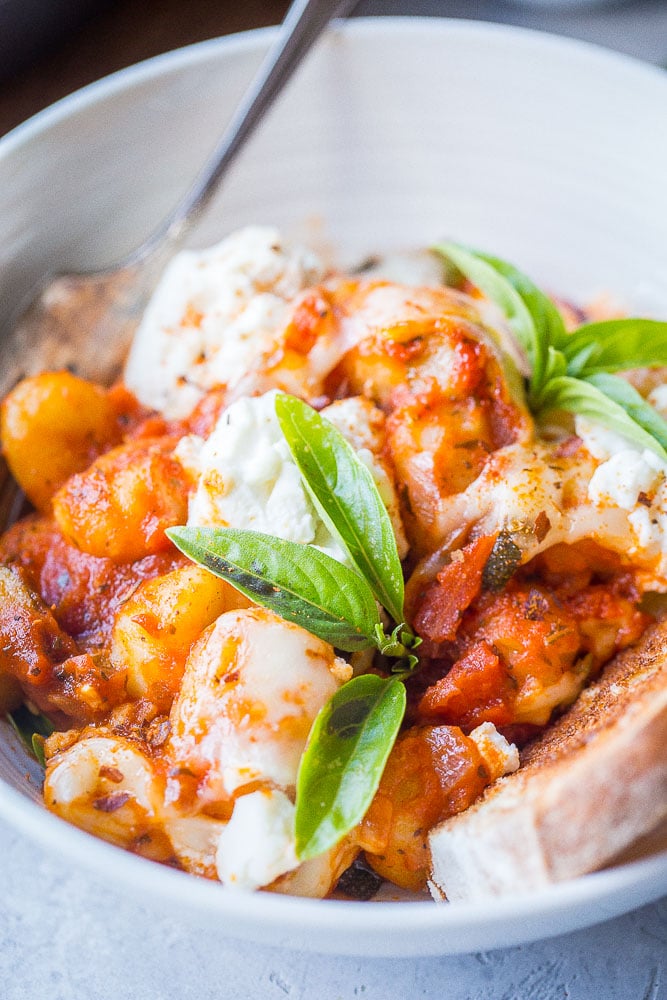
{"points": [[572, 372], [588, 398], [341, 768], [555, 366], [643, 414], [298, 582], [616, 345], [37, 747], [531, 315], [576, 363], [31, 729], [548, 321], [346, 496]]}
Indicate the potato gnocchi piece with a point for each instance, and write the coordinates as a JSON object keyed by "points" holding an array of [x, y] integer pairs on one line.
{"points": [[121, 505], [32, 646], [111, 787], [425, 356], [52, 426], [252, 687], [106, 785], [156, 626]]}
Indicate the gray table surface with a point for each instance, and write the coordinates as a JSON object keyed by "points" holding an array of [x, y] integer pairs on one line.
{"points": [[65, 936]]}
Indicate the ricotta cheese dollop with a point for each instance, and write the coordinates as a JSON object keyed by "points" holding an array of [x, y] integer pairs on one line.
{"points": [[246, 477], [632, 480], [257, 845], [215, 315]]}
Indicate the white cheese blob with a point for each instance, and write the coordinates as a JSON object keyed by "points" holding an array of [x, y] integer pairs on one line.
{"points": [[632, 480], [258, 844], [623, 477], [246, 476], [215, 315], [500, 756], [252, 687], [601, 442]]}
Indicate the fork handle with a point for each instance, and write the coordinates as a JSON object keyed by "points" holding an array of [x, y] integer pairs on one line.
{"points": [[303, 24]]}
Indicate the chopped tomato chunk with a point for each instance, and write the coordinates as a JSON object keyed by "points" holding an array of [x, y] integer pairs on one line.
{"points": [[478, 688], [452, 593], [433, 772]]}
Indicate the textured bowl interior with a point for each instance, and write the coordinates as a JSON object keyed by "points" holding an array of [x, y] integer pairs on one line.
{"points": [[398, 132]]}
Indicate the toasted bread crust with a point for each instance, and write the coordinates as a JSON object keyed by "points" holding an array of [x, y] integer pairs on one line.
{"points": [[589, 787]]}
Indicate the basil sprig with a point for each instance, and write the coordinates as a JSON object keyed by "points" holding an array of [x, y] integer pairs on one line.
{"points": [[573, 372], [298, 582], [353, 734], [345, 495]]}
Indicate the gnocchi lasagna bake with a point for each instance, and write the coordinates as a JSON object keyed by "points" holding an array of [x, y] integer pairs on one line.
{"points": [[314, 579]]}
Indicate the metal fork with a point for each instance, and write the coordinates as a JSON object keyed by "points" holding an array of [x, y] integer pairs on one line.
{"points": [[85, 321]]}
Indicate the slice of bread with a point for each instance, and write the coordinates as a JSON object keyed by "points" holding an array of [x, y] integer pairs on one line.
{"points": [[587, 789]]}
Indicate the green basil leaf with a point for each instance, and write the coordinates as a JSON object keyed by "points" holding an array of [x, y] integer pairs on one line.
{"points": [[617, 345], [619, 408], [531, 315], [643, 414], [346, 496], [555, 366], [547, 318], [37, 747], [341, 768], [31, 729], [298, 582]]}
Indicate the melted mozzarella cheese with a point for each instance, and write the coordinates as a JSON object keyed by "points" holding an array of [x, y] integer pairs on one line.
{"points": [[105, 785], [252, 687], [214, 316], [543, 497]]}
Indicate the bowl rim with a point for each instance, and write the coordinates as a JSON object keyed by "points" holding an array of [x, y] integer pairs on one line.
{"points": [[256, 39], [294, 913]]}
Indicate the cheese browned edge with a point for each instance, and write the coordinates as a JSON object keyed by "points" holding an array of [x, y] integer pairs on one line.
{"points": [[589, 787]]}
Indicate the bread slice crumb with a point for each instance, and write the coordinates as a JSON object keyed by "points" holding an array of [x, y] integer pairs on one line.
{"points": [[594, 783]]}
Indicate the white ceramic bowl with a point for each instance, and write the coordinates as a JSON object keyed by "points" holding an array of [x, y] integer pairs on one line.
{"points": [[399, 131]]}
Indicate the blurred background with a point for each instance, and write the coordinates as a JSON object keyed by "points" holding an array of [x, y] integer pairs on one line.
{"points": [[49, 48]]}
